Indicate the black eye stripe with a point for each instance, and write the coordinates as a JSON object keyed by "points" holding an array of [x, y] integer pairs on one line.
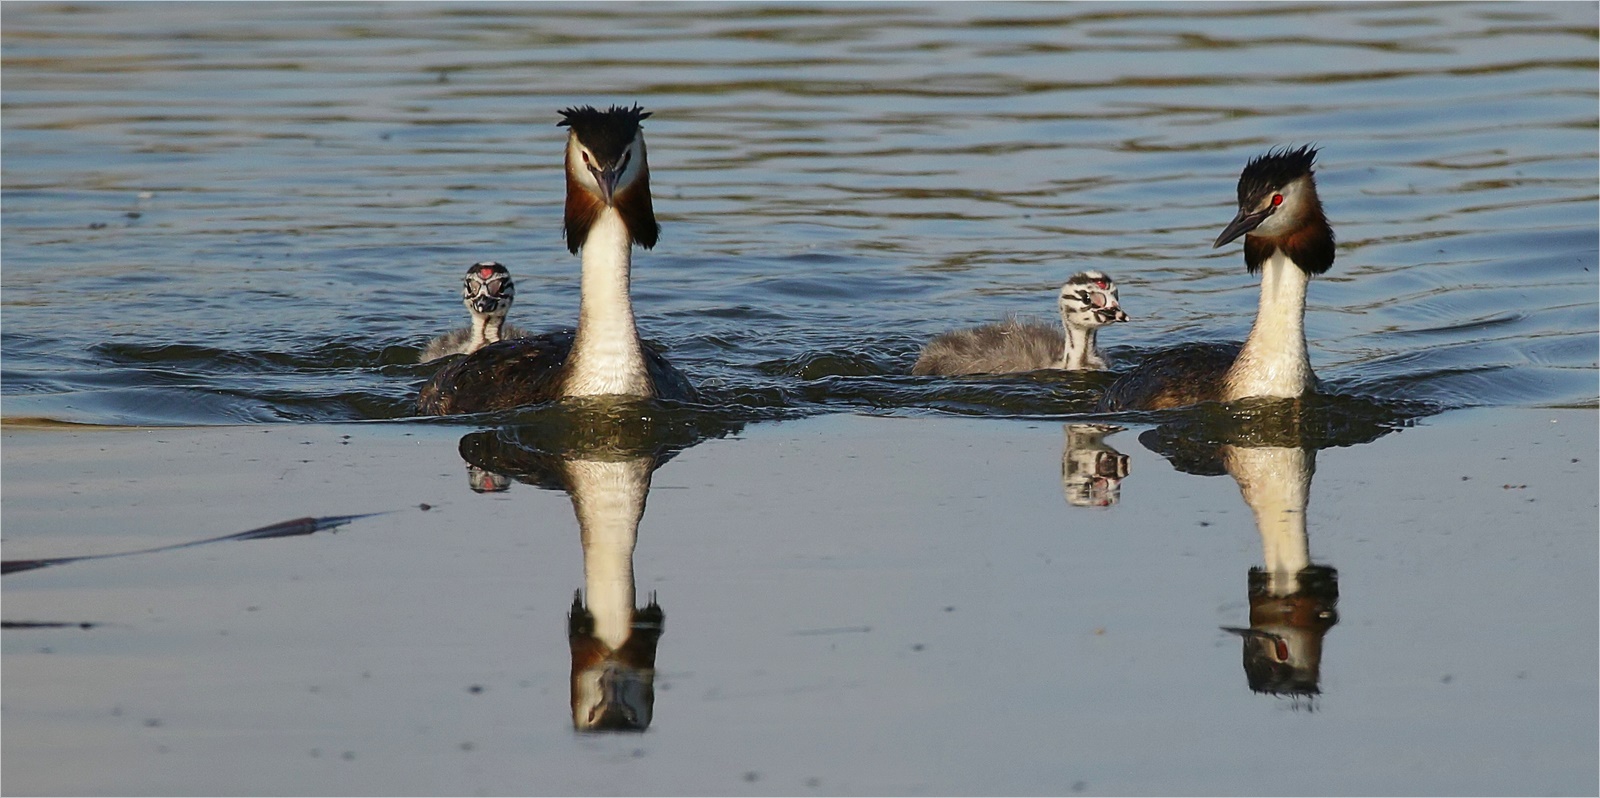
{"points": [[496, 283]]}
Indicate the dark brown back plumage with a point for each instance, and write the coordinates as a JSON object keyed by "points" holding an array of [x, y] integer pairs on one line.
{"points": [[1184, 375], [510, 374]]}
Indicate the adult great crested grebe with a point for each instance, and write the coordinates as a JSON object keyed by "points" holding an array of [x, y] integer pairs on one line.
{"points": [[1287, 239], [608, 210], [487, 291], [1088, 301]]}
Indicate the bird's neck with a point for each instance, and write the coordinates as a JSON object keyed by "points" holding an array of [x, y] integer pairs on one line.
{"points": [[1080, 352], [609, 499], [485, 331], [1273, 361], [607, 357], [1276, 483]]}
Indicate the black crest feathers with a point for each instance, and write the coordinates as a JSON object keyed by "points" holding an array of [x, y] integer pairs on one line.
{"points": [[606, 133], [1271, 171], [1311, 244]]}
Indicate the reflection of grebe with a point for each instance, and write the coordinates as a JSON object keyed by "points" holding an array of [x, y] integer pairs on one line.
{"points": [[1088, 301], [487, 291], [608, 210], [613, 642], [1091, 471], [1287, 239], [603, 460], [1293, 603]]}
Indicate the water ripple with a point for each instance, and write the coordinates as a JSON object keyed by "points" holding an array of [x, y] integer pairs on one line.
{"points": [[259, 214]]}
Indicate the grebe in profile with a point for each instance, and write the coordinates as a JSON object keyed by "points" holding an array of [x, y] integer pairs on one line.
{"points": [[1287, 239], [1088, 302], [608, 210], [487, 291]]}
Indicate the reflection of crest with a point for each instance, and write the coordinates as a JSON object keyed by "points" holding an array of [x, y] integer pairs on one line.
{"points": [[613, 689], [1091, 471], [1283, 646], [613, 642]]}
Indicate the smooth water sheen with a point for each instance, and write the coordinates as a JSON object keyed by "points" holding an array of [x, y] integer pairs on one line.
{"points": [[260, 212]]}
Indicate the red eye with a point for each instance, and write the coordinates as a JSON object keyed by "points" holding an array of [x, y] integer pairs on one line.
{"points": [[585, 157], [1277, 199]]}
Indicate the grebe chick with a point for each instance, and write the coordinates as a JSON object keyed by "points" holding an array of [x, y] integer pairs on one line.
{"points": [[608, 210], [487, 291], [1287, 239], [1088, 302]]}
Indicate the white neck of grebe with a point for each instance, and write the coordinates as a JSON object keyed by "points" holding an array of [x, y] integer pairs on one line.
{"points": [[1080, 352], [1276, 483], [1273, 361], [607, 357], [485, 331], [608, 498]]}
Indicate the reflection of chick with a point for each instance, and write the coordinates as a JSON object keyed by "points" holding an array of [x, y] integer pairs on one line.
{"points": [[485, 481], [1091, 471]]}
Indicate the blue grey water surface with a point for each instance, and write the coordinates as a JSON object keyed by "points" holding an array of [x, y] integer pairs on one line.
{"points": [[259, 212]]}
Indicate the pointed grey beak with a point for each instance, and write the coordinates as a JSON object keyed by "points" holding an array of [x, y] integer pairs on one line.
{"points": [[607, 178], [485, 304], [1241, 224]]}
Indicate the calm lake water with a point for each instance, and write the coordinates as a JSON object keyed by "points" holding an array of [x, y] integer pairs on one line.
{"points": [[232, 218]]}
